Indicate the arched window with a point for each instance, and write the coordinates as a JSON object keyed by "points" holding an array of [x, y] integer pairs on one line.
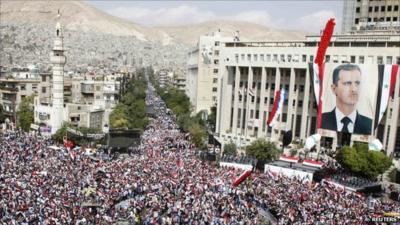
{"points": [[58, 32]]}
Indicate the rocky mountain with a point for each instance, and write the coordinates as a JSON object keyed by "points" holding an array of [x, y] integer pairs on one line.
{"points": [[93, 37]]}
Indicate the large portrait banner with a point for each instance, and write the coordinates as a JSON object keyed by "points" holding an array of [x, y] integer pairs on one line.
{"points": [[354, 97]]}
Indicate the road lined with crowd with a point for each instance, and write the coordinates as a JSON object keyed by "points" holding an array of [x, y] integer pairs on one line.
{"points": [[163, 183]]}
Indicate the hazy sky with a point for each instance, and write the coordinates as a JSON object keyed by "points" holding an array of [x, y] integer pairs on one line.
{"points": [[300, 15]]}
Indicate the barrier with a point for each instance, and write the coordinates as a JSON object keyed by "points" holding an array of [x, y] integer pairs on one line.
{"points": [[237, 165]]}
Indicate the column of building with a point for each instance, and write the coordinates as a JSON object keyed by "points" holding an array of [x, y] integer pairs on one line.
{"points": [[263, 107]]}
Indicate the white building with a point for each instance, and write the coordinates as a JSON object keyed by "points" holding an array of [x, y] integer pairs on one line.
{"points": [[267, 66], [84, 101], [368, 15], [15, 85], [202, 72]]}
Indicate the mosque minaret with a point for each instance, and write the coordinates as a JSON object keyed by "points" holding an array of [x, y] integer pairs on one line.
{"points": [[58, 60]]}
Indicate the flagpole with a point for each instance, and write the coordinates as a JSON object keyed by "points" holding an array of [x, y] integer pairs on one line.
{"points": [[244, 98]]}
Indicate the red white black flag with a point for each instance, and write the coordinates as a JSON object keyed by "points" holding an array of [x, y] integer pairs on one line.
{"points": [[387, 75]]}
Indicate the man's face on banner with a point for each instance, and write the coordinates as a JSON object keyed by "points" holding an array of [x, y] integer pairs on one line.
{"points": [[347, 88]]}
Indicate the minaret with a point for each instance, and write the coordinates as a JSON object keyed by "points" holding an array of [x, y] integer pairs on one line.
{"points": [[58, 60]]}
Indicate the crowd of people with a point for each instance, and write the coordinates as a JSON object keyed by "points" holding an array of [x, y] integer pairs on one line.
{"points": [[164, 182]]}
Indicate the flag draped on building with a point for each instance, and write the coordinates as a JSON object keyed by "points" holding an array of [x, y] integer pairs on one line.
{"points": [[317, 68], [251, 92], [276, 108], [387, 75]]}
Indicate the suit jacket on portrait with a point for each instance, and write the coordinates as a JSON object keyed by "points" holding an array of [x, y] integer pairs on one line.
{"points": [[363, 124]]}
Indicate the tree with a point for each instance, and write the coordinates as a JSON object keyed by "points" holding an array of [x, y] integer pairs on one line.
{"points": [[131, 111], [117, 117], [230, 149], [2, 116], [76, 139], [263, 151], [199, 135], [25, 113], [360, 160]]}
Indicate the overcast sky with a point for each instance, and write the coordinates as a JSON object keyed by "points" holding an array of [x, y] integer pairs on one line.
{"points": [[298, 15]]}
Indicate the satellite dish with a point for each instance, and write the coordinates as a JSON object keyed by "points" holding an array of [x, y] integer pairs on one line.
{"points": [[312, 141], [375, 145]]}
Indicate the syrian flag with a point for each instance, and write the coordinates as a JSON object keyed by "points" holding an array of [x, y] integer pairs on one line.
{"points": [[276, 108], [313, 163], [318, 67], [387, 75], [289, 159], [72, 155], [317, 84], [272, 174], [179, 163], [251, 92], [241, 178], [67, 143]]}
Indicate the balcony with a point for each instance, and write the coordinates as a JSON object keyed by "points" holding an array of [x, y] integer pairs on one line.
{"points": [[45, 100], [8, 89], [87, 88]]}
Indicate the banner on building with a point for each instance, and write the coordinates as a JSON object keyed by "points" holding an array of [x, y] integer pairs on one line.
{"points": [[78, 133], [354, 96]]}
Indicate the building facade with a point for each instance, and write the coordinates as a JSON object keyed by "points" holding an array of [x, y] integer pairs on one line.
{"points": [[266, 67], [84, 100], [203, 64], [370, 15], [15, 85]]}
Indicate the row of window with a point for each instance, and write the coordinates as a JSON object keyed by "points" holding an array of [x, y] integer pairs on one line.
{"points": [[272, 58], [376, 19], [241, 84], [328, 58], [271, 101], [382, 8]]}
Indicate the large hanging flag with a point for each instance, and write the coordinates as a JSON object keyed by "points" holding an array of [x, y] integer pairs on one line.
{"points": [[317, 68], [387, 75], [276, 108]]}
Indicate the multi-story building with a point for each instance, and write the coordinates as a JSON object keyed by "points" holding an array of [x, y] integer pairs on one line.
{"points": [[164, 77], [265, 67], [83, 101], [369, 15], [202, 72], [15, 85], [87, 98], [179, 81]]}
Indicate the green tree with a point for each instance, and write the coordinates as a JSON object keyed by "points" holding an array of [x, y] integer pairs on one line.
{"points": [[131, 111], [199, 135], [230, 149], [76, 139], [117, 117], [60, 133], [360, 160], [263, 151], [25, 113]]}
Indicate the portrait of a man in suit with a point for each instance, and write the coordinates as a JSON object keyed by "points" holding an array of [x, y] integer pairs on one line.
{"points": [[345, 117]]}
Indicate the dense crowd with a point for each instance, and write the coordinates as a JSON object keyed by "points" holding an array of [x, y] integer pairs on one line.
{"points": [[164, 182]]}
